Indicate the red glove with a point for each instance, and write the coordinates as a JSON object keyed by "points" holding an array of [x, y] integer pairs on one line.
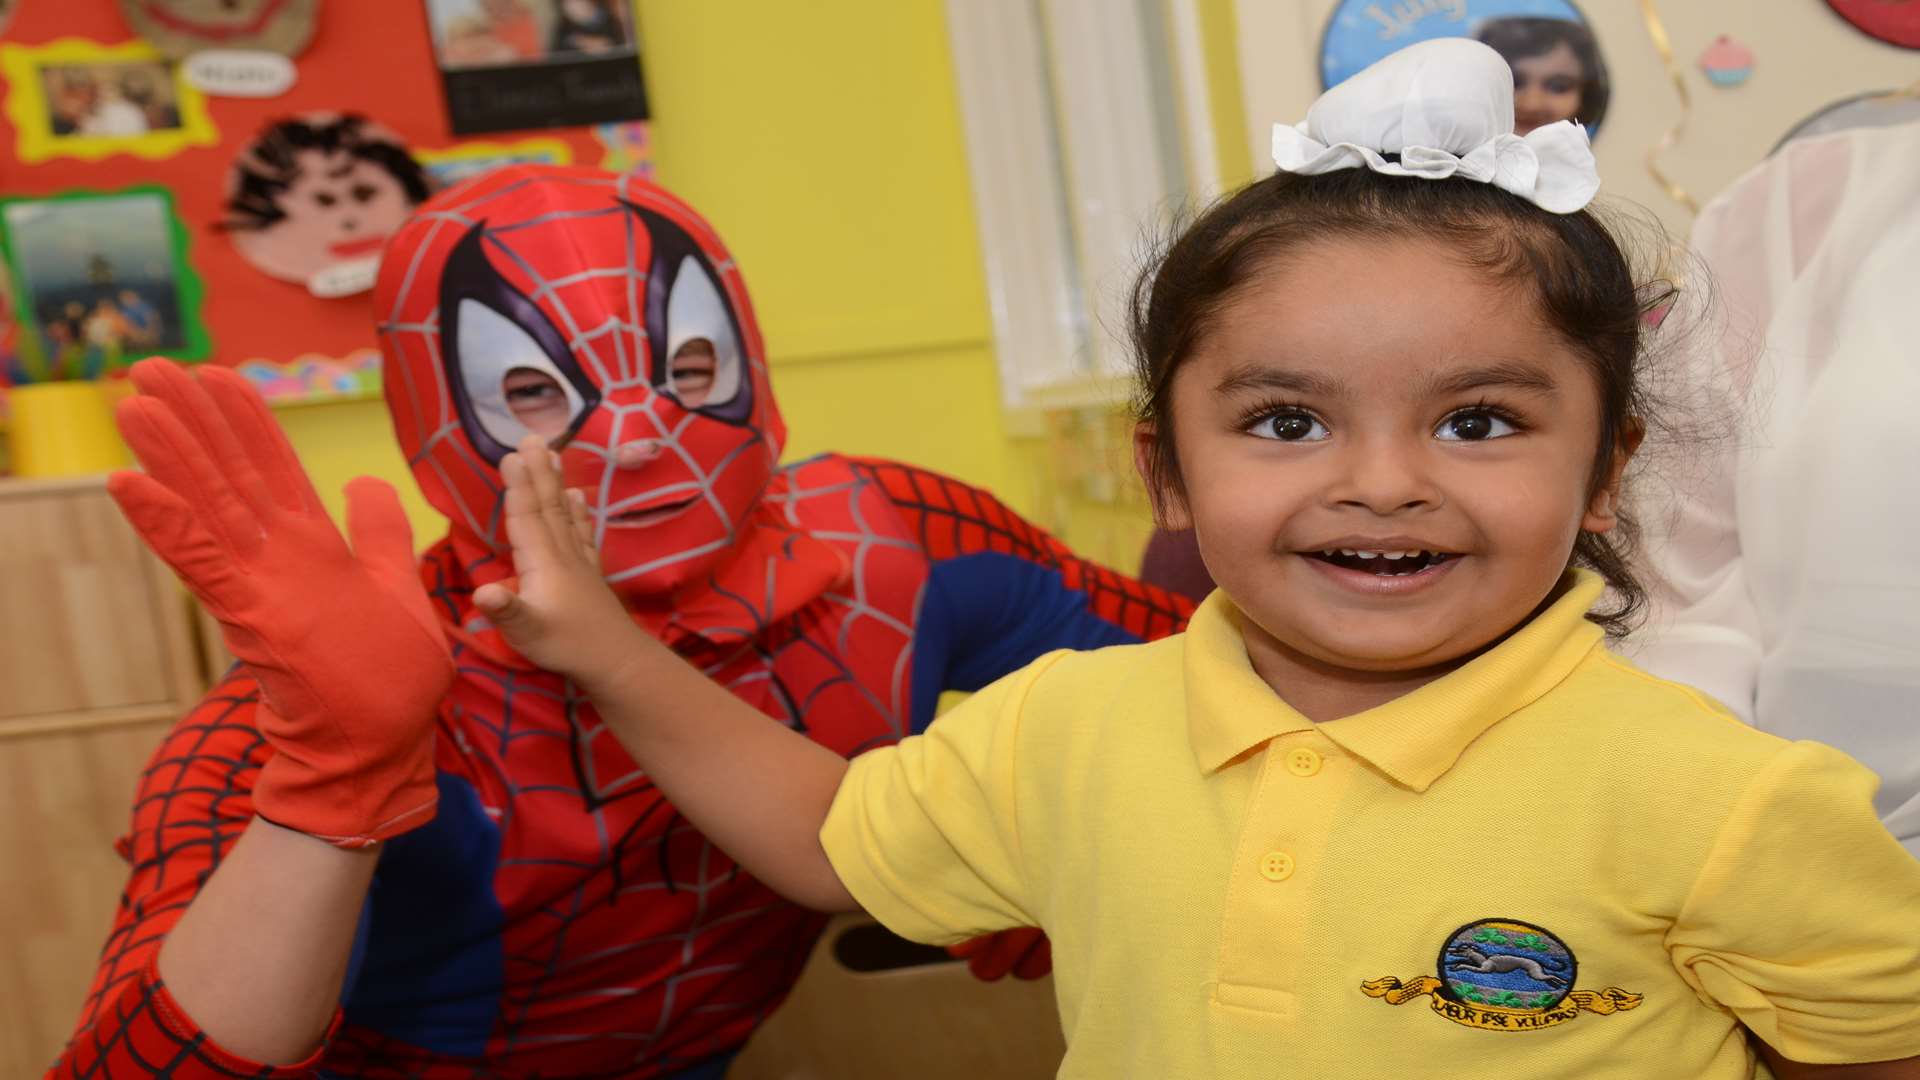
{"points": [[351, 661], [1025, 952]]}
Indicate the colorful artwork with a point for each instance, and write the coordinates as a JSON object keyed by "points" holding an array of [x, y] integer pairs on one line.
{"points": [[629, 147], [179, 28], [1558, 70], [511, 64], [456, 163], [273, 228], [99, 280], [313, 198], [79, 99], [316, 378], [1726, 62]]}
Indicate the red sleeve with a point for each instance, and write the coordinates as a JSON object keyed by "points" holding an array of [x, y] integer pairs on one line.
{"points": [[193, 802], [952, 519]]}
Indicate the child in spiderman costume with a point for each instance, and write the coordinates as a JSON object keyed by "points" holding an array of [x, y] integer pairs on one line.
{"points": [[386, 845]]}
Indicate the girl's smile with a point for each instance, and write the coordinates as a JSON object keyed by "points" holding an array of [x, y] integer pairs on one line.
{"points": [[1388, 566]]}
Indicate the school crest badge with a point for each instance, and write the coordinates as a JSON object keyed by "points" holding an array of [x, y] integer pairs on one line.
{"points": [[1504, 975]]}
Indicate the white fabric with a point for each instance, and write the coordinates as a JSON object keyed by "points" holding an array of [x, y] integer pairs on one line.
{"points": [[1790, 586], [1446, 108]]}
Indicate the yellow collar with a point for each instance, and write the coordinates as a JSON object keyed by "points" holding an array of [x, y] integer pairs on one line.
{"points": [[1413, 739]]}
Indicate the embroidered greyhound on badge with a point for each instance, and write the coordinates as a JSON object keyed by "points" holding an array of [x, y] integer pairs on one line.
{"points": [[1478, 975], [1468, 958]]}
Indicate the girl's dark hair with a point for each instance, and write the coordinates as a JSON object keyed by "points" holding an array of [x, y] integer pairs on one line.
{"points": [[1518, 37], [270, 170], [1576, 273]]}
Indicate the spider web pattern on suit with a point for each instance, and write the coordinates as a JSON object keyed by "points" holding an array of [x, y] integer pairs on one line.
{"points": [[615, 351]]}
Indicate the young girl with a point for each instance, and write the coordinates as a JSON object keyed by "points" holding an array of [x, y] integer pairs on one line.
{"points": [[1389, 807]]}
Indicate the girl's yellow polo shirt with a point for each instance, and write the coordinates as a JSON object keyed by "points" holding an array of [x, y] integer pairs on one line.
{"points": [[1545, 864]]}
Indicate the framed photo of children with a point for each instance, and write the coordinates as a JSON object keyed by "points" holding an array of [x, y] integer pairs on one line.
{"points": [[98, 281], [517, 64], [75, 98], [1559, 72]]}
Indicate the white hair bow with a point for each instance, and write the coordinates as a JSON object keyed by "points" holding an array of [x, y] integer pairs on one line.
{"points": [[1442, 108]]}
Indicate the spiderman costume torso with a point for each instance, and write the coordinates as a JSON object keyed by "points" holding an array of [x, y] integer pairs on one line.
{"points": [[557, 918]]}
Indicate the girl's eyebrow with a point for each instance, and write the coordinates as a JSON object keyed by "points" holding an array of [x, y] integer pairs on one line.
{"points": [[1506, 374], [1263, 377]]}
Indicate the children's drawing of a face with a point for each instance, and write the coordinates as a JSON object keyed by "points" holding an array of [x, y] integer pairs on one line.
{"points": [[319, 191], [180, 27]]}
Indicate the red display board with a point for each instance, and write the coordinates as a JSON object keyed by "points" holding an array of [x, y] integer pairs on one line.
{"points": [[127, 230]]}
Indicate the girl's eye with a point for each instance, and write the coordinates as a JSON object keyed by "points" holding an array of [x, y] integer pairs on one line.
{"points": [[1474, 425], [1290, 426], [325, 198]]}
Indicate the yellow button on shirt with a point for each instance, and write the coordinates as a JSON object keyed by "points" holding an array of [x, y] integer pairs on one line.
{"points": [[1545, 864]]}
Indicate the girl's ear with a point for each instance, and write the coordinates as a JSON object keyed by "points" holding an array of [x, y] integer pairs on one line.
{"points": [[1169, 507], [1603, 509]]}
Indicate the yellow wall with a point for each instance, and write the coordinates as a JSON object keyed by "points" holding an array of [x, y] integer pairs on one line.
{"points": [[824, 141]]}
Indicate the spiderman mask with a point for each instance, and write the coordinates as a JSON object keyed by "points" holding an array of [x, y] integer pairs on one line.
{"points": [[601, 313]]}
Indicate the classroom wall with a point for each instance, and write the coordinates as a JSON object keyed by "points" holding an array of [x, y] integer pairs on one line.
{"points": [[824, 142], [1806, 57]]}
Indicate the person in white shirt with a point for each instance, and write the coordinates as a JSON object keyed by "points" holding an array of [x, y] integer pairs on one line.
{"points": [[1789, 587]]}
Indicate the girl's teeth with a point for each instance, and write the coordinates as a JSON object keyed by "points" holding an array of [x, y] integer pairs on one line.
{"points": [[1368, 554], [1394, 554]]}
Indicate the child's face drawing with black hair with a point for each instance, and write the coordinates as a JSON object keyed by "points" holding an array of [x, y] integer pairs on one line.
{"points": [[339, 207]]}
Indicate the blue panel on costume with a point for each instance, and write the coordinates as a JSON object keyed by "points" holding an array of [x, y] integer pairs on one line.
{"points": [[989, 614], [430, 970]]}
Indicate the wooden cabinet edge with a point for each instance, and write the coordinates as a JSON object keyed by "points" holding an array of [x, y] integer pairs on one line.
{"points": [[23, 727]]}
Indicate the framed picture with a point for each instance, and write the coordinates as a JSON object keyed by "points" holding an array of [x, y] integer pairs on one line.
{"points": [[75, 98], [1559, 72], [517, 64], [99, 281]]}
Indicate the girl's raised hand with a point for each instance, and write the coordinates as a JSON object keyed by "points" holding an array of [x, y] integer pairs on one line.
{"points": [[559, 612]]}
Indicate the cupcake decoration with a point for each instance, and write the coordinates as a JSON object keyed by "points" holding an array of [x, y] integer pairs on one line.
{"points": [[1726, 62]]}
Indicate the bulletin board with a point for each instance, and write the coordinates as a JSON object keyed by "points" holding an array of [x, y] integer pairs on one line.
{"points": [[164, 194]]}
